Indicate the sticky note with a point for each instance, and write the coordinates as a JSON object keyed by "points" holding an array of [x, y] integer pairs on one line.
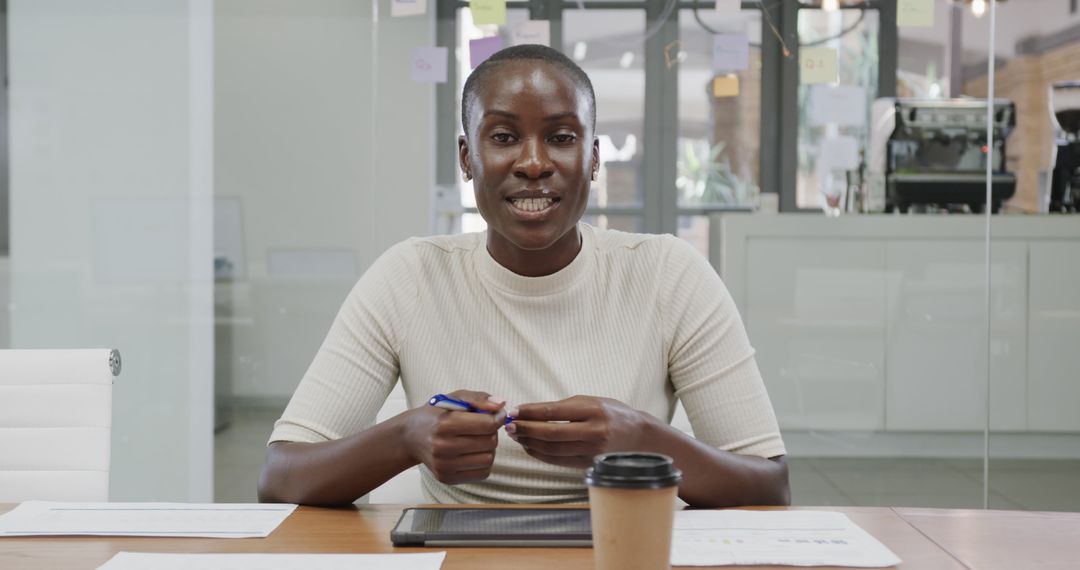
{"points": [[408, 7], [842, 105], [915, 13], [429, 64], [483, 48], [488, 12], [840, 153], [531, 32], [818, 65], [731, 52], [725, 86], [728, 8]]}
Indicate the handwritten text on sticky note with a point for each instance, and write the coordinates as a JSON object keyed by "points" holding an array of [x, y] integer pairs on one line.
{"points": [[531, 32], [488, 12], [429, 64], [915, 13], [817, 65]]}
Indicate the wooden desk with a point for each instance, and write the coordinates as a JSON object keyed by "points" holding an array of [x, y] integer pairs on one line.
{"points": [[923, 538]]}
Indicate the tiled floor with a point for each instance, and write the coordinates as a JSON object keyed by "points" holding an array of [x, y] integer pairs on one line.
{"points": [[239, 450], [1051, 485]]}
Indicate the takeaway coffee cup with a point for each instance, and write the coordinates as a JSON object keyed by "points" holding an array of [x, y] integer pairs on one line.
{"points": [[632, 504]]}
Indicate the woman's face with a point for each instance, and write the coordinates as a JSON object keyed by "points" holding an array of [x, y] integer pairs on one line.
{"points": [[531, 152]]}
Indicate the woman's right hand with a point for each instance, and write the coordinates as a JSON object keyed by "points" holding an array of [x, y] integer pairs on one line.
{"points": [[458, 447]]}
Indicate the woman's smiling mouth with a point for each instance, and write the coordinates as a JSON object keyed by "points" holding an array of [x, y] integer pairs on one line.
{"points": [[532, 208]]}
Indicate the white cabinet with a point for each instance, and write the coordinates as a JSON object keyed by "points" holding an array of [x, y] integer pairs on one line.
{"points": [[936, 340], [1053, 370], [815, 314], [878, 323]]}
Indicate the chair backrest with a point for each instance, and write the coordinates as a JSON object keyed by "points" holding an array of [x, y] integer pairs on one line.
{"points": [[55, 424]]}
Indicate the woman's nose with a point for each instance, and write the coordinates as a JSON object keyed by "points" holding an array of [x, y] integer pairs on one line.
{"points": [[533, 163]]}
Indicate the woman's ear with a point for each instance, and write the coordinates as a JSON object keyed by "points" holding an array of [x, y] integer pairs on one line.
{"points": [[463, 158], [595, 157]]}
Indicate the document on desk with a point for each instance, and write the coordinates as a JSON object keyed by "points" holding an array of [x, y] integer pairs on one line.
{"points": [[154, 561], [790, 538], [226, 520]]}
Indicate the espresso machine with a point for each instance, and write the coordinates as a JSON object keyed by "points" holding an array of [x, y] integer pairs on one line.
{"points": [[1065, 117], [930, 155]]}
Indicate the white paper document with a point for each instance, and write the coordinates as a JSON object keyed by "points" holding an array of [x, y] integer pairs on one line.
{"points": [[790, 538], [843, 105], [155, 561], [840, 153], [34, 518]]}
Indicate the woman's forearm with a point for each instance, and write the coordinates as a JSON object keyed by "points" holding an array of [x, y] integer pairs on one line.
{"points": [[714, 478], [334, 472]]}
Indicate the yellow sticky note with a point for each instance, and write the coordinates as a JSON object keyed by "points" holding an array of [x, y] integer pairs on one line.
{"points": [[817, 65], [915, 13], [725, 86], [488, 12]]}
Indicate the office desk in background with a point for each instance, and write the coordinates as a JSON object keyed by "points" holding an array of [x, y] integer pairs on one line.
{"points": [[925, 539]]}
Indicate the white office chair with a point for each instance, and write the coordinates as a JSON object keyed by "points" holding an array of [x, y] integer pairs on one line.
{"points": [[55, 424]]}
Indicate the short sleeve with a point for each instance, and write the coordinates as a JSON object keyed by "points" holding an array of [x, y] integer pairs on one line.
{"points": [[357, 365], [711, 364]]}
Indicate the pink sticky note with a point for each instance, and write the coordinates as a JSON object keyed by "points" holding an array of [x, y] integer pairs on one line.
{"points": [[483, 48], [429, 64]]}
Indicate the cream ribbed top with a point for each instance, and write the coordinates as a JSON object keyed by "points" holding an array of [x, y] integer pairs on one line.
{"points": [[640, 318]]}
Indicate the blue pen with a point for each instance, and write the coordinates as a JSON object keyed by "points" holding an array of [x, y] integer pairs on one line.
{"points": [[453, 404]]}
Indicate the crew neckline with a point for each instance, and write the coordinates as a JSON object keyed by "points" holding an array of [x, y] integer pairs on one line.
{"points": [[563, 279]]}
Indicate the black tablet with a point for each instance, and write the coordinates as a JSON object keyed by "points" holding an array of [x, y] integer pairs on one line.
{"points": [[492, 527]]}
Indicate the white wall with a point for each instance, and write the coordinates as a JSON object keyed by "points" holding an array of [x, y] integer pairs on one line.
{"points": [[326, 143], [110, 233]]}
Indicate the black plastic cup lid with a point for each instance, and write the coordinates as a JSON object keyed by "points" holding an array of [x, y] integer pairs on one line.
{"points": [[633, 470]]}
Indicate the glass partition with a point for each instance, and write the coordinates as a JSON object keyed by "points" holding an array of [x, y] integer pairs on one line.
{"points": [[226, 183], [323, 160], [110, 188], [1034, 451], [868, 326]]}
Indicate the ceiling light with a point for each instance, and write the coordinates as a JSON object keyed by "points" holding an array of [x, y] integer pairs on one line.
{"points": [[978, 8]]}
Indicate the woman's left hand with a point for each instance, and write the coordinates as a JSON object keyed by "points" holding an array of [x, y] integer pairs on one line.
{"points": [[587, 426]]}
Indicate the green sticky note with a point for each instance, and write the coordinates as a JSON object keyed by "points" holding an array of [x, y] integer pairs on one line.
{"points": [[915, 13], [818, 65], [488, 12]]}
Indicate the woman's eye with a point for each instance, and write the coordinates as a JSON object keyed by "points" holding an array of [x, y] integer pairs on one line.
{"points": [[563, 139], [502, 137]]}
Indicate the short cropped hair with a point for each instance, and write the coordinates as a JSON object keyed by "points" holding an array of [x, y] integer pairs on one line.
{"points": [[483, 73]]}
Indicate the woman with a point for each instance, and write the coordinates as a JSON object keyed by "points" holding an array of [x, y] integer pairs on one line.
{"points": [[592, 334]]}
